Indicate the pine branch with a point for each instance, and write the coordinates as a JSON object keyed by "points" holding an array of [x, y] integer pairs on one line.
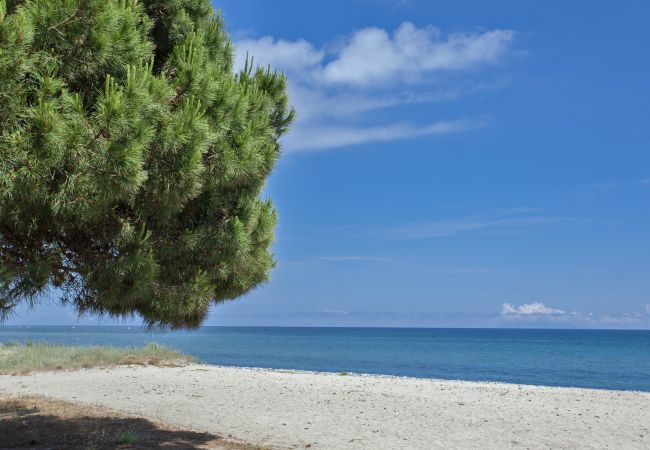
{"points": [[77, 14]]}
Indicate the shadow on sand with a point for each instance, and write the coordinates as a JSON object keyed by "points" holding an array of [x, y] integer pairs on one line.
{"points": [[38, 423]]}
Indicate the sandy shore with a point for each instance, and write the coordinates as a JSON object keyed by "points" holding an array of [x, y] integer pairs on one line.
{"points": [[282, 409]]}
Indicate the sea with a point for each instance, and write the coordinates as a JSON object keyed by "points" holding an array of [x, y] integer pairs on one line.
{"points": [[600, 359]]}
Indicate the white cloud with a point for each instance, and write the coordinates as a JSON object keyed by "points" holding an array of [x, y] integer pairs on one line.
{"points": [[374, 56], [509, 311], [293, 57], [322, 137], [335, 87], [647, 309], [317, 103]]}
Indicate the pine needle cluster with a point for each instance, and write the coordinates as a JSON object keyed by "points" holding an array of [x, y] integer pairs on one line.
{"points": [[132, 158]]}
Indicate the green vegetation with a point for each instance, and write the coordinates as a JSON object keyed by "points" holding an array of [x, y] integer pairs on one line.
{"points": [[24, 358], [127, 439], [132, 158]]}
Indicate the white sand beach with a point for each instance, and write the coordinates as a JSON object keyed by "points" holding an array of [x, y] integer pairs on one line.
{"points": [[284, 409]]}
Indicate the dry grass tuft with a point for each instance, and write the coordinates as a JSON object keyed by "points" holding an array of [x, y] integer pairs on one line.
{"points": [[20, 359]]}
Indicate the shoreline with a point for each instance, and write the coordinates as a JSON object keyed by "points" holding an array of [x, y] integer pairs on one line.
{"points": [[355, 374], [411, 377], [279, 408]]}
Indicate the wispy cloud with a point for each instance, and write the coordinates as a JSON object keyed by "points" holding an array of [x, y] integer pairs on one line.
{"points": [[326, 104], [334, 86], [421, 262], [454, 227], [353, 258], [603, 188], [322, 137]]}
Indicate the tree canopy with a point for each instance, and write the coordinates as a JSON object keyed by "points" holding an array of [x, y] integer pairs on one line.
{"points": [[132, 158]]}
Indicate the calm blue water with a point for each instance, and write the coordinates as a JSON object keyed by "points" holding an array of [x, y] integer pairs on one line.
{"points": [[580, 358]]}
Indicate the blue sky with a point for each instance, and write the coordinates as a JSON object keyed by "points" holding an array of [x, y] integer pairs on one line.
{"points": [[455, 163]]}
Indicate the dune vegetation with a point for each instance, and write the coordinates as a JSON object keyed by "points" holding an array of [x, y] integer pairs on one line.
{"points": [[21, 358]]}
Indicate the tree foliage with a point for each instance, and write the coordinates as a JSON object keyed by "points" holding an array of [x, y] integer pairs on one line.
{"points": [[132, 158]]}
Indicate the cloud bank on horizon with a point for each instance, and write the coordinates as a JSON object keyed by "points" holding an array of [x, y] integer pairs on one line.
{"points": [[540, 314], [334, 87], [526, 315]]}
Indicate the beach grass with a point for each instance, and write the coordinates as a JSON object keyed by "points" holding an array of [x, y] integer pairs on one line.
{"points": [[22, 358]]}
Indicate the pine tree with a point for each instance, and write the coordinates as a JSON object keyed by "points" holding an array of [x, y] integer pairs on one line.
{"points": [[132, 158]]}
